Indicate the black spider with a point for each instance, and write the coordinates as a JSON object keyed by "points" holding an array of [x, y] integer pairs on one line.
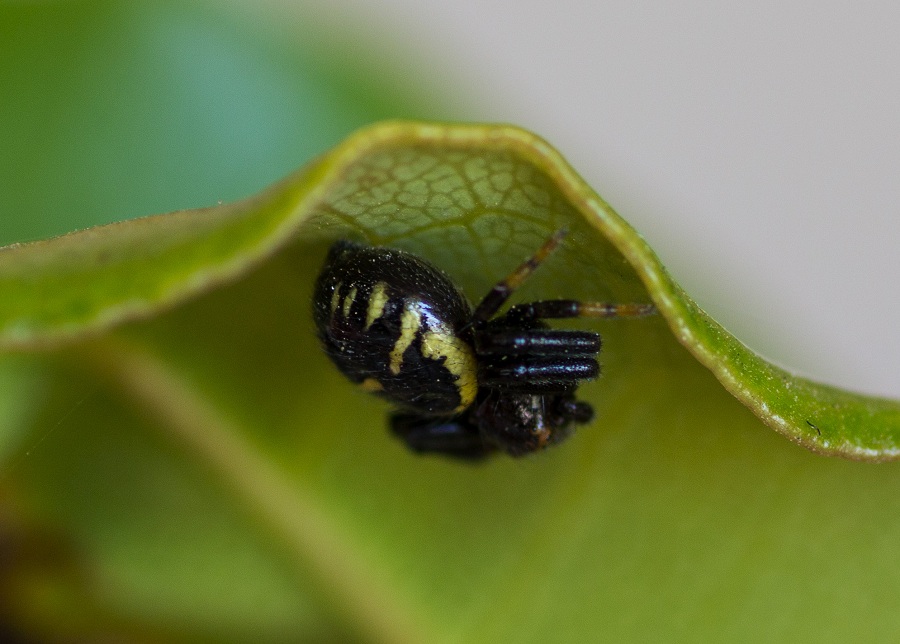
{"points": [[466, 383]]}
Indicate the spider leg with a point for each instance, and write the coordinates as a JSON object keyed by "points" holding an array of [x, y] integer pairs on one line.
{"points": [[558, 309], [536, 361], [454, 437], [496, 297], [538, 374], [545, 342]]}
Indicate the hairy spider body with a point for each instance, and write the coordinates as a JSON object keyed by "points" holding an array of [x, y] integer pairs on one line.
{"points": [[465, 383]]}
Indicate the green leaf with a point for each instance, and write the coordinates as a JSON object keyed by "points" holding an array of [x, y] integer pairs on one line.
{"points": [[224, 481], [112, 110], [469, 197]]}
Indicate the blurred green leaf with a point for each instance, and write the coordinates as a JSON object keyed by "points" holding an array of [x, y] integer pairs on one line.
{"points": [[112, 110], [223, 480]]}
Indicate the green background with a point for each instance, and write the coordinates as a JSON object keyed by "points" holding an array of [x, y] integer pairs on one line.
{"points": [[685, 519]]}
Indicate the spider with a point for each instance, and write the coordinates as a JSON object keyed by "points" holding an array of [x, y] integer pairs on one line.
{"points": [[465, 382]]}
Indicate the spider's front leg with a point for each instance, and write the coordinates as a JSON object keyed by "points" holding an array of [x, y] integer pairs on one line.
{"points": [[538, 374], [532, 312], [517, 350], [455, 436], [535, 360]]}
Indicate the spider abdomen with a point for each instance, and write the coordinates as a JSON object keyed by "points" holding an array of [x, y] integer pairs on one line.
{"points": [[391, 323]]}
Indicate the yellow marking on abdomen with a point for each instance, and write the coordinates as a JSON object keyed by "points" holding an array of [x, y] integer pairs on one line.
{"points": [[348, 301], [459, 361], [410, 322], [377, 301], [336, 298]]}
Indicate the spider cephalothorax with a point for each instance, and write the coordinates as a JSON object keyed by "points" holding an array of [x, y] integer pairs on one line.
{"points": [[466, 382]]}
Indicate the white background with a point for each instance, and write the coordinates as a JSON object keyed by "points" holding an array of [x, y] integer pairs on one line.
{"points": [[755, 146]]}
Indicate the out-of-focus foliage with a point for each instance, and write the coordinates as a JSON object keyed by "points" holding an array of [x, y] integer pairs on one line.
{"points": [[180, 462]]}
